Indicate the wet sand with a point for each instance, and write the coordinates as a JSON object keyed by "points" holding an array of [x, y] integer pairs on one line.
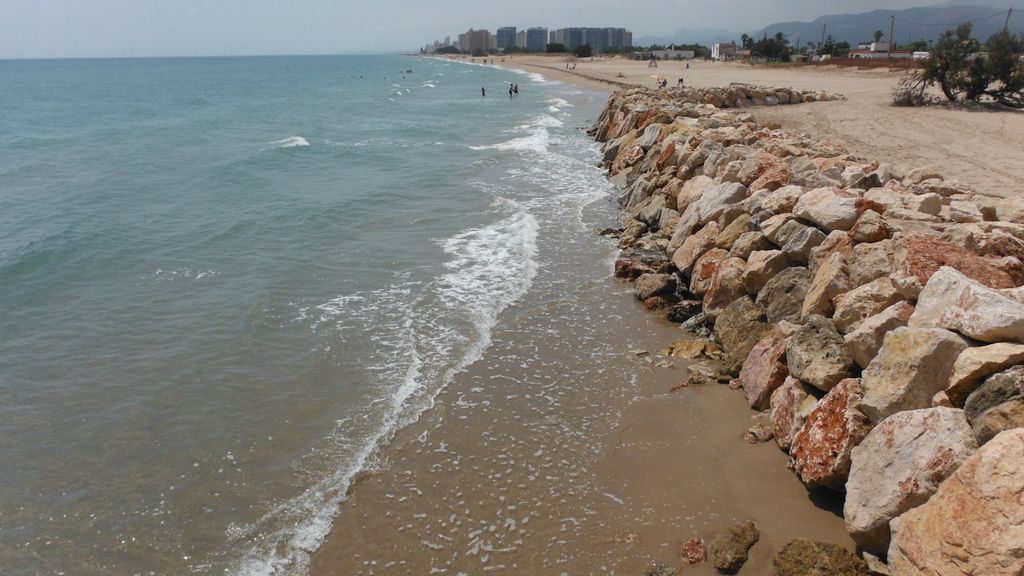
{"points": [[564, 452], [978, 146]]}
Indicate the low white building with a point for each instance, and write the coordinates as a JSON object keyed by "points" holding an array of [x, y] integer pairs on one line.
{"points": [[674, 54], [873, 55], [722, 51]]}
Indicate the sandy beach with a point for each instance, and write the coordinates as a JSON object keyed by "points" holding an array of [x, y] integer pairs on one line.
{"points": [[979, 146], [564, 450]]}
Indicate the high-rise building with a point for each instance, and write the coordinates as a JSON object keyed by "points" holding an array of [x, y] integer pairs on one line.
{"points": [[600, 39], [475, 41], [521, 39], [536, 39], [506, 37]]}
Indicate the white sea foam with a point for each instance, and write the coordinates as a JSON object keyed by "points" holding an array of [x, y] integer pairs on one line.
{"points": [[537, 142], [545, 121], [489, 268], [290, 142]]}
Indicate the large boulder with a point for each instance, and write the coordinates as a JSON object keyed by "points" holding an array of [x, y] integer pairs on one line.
{"points": [[870, 227], [912, 366], [738, 227], [871, 261], [837, 242], [864, 342], [830, 280], [997, 405], [779, 201], [690, 191], [714, 200], [762, 266], [704, 270], [694, 247], [729, 549], [974, 523], [898, 466], [863, 302], [975, 364], [726, 287], [817, 355], [748, 243], [783, 295], [738, 329], [918, 256], [952, 300], [648, 285], [791, 404], [820, 454], [764, 369], [798, 248], [829, 208], [803, 557]]}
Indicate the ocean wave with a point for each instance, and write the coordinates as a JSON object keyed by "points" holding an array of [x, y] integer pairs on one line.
{"points": [[290, 142], [183, 273], [544, 121], [536, 142]]}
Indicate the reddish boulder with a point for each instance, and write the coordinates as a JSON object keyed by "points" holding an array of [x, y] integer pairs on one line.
{"points": [[765, 369], [791, 404], [695, 246], [974, 523], [704, 269], [820, 454], [918, 256], [899, 465], [726, 287]]}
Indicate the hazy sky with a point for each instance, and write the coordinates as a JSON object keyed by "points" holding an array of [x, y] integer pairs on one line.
{"points": [[85, 28]]}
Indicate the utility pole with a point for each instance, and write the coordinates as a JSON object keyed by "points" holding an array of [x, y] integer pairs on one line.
{"points": [[892, 30], [822, 43], [797, 43], [1007, 24]]}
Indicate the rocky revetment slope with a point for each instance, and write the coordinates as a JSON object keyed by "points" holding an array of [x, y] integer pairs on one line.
{"points": [[875, 315]]}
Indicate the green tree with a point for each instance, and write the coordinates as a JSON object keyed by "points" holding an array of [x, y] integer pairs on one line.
{"points": [[878, 35], [963, 72], [583, 51], [555, 48], [830, 45]]}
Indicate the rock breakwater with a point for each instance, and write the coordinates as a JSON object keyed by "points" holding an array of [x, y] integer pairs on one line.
{"points": [[861, 305]]}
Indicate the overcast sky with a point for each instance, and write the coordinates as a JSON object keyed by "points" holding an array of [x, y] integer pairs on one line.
{"points": [[87, 28]]}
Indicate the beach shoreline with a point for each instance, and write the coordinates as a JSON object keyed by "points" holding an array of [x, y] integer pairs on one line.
{"points": [[638, 472]]}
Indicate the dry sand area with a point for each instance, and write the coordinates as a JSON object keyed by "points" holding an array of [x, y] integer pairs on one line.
{"points": [[981, 147]]}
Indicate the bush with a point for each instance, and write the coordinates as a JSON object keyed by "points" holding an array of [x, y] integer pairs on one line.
{"points": [[556, 48]]}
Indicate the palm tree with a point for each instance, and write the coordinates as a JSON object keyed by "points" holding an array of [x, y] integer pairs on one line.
{"points": [[878, 35]]}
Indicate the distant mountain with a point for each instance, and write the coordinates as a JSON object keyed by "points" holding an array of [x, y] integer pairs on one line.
{"points": [[911, 24], [705, 36]]}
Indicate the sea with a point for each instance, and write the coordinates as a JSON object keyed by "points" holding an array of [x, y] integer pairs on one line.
{"points": [[225, 283]]}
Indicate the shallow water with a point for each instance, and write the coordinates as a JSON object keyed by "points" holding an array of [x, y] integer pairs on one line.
{"points": [[224, 282]]}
